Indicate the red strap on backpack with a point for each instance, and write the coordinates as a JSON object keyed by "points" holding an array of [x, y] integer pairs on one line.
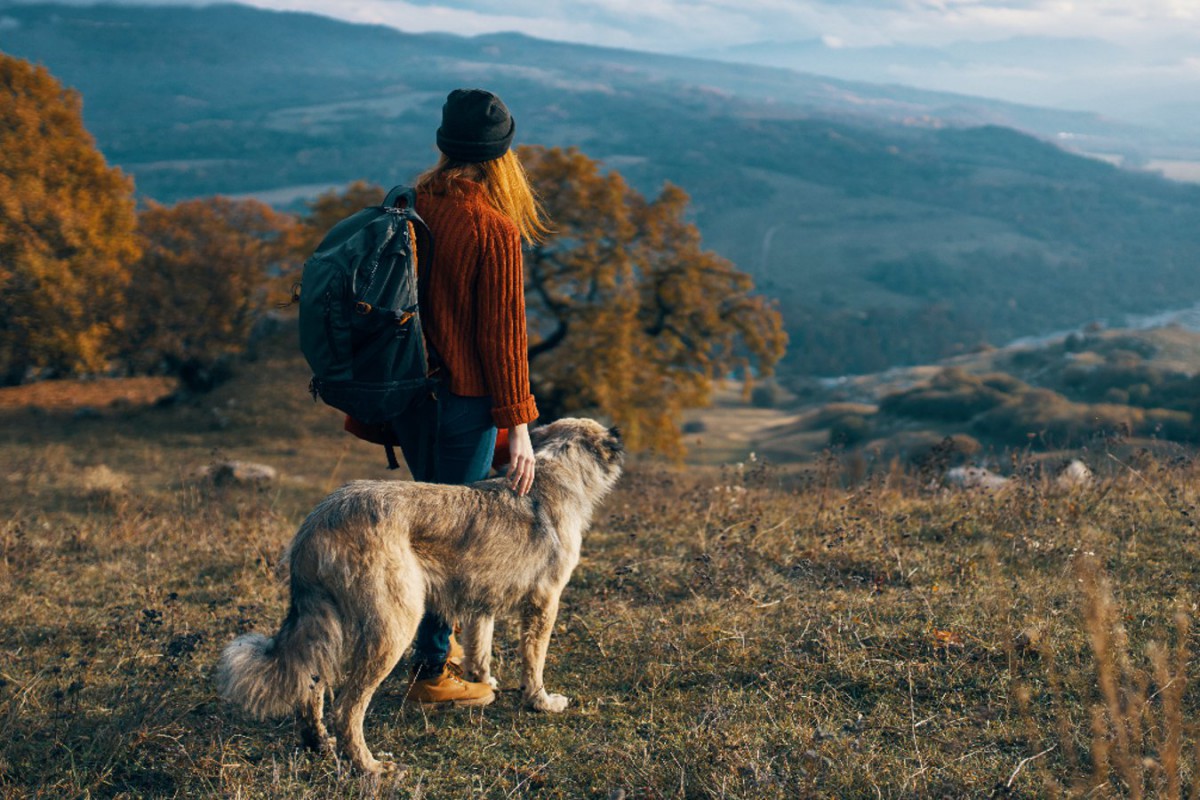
{"points": [[502, 456], [375, 434]]}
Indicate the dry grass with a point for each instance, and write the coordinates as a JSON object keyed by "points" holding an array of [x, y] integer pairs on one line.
{"points": [[730, 633]]}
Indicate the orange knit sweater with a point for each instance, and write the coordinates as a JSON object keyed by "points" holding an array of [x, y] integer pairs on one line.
{"points": [[475, 292]]}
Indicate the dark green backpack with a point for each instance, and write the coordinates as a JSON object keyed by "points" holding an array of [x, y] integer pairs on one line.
{"points": [[360, 317]]}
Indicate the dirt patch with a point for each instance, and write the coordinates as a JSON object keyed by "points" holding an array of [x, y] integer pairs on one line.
{"points": [[96, 393]]}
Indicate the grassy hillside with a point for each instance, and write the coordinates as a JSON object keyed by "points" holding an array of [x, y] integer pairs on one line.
{"points": [[891, 231], [1075, 395], [730, 633]]}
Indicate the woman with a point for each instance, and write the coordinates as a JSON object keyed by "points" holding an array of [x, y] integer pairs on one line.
{"points": [[478, 205]]}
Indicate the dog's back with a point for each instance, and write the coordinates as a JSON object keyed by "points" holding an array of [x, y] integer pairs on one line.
{"points": [[475, 549]]}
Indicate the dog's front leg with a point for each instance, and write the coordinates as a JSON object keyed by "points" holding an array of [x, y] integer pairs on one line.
{"points": [[537, 622], [477, 650]]}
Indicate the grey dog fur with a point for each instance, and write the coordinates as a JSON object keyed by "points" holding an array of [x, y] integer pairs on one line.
{"points": [[372, 555]]}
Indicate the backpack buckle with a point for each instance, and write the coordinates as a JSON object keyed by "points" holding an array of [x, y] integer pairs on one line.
{"points": [[403, 318]]}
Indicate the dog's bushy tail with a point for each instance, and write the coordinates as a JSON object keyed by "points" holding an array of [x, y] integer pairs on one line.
{"points": [[267, 677]]}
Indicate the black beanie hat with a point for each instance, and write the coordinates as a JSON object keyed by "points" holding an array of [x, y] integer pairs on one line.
{"points": [[476, 126]]}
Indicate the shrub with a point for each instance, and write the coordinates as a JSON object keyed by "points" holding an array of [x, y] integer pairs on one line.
{"points": [[1163, 423], [849, 430], [944, 452], [831, 413], [952, 396], [1060, 422], [1143, 384], [1032, 358], [1118, 396], [766, 395], [199, 286], [1003, 382], [1123, 358]]}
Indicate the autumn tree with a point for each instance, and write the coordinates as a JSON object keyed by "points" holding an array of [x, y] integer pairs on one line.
{"points": [[330, 208], [323, 212], [629, 314], [66, 231], [201, 283]]}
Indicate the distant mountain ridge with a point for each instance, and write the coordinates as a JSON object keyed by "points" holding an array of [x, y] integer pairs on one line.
{"points": [[1119, 80], [890, 229]]}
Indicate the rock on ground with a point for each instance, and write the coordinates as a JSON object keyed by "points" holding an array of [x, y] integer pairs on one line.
{"points": [[238, 472], [1074, 475], [975, 478], [101, 479]]}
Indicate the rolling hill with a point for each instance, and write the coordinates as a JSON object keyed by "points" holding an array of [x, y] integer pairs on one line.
{"points": [[894, 225]]}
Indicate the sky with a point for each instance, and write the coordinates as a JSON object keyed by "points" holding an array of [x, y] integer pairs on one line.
{"points": [[692, 25], [1132, 60]]}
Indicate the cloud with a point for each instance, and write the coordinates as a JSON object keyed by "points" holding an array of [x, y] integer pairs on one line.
{"points": [[692, 25]]}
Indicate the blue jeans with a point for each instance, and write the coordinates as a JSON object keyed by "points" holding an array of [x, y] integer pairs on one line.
{"points": [[465, 443]]}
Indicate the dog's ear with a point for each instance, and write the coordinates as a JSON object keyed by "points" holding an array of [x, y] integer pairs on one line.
{"points": [[613, 444], [604, 445]]}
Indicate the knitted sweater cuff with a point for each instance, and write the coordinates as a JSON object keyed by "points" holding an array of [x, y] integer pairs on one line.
{"points": [[516, 414]]}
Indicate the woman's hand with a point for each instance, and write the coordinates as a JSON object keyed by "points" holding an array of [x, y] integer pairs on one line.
{"points": [[520, 471]]}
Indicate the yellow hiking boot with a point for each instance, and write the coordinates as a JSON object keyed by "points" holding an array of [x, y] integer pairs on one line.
{"points": [[450, 689]]}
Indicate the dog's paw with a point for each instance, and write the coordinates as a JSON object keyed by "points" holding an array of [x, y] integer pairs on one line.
{"points": [[383, 769], [324, 745], [548, 703]]}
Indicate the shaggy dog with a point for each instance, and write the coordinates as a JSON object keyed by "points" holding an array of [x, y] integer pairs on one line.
{"points": [[370, 558]]}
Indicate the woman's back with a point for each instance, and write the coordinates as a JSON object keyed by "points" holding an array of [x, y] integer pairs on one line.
{"points": [[475, 298]]}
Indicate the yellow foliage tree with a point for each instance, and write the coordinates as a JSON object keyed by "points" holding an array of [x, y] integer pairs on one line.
{"points": [[326, 210], [330, 208], [66, 231], [628, 313], [201, 283]]}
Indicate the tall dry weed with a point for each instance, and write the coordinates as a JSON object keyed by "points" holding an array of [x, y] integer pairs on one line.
{"points": [[1131, 740]]}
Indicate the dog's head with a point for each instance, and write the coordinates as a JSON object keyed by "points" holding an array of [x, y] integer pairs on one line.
{"points": [[582, 438]]}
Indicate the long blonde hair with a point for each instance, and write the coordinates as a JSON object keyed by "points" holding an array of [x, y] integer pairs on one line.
{"points": [[507, 188]]}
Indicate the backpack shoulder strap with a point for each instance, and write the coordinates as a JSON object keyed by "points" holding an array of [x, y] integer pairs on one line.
{"points": [[405, 198], [424, 249], [401, 197]]}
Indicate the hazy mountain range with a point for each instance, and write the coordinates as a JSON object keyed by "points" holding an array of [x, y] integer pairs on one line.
{"points": [[1122, 81], [894, 224]]}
